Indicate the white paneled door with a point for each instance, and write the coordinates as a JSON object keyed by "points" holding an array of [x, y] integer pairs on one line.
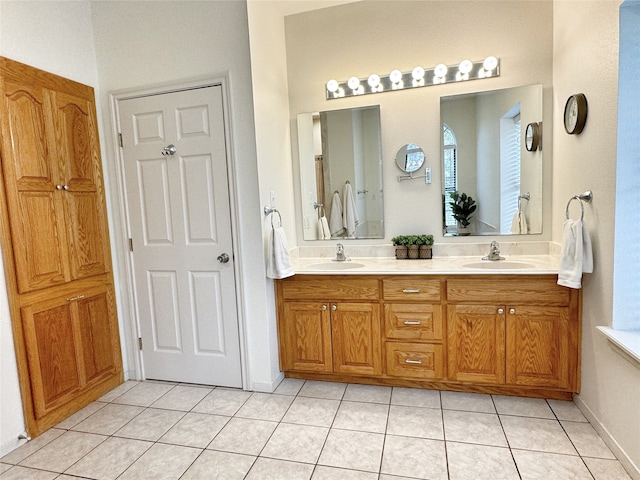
{"points": [[180, 225]]}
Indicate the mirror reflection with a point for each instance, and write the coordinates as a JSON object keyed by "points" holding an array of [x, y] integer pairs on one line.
{"points": [[410, 158], [341, 173], [484, 156]]}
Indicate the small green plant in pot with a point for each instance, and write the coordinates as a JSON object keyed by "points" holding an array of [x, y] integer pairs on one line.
{"points": [[401, 243], [462, 208], [413, 245], [426, 244]]}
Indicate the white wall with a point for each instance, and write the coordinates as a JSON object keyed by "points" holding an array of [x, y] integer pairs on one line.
{"points": [[586, 61], [375, 37], [56, 37], [144, 43]]}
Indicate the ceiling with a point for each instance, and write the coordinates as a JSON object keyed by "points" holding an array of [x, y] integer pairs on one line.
{"points": [[291, 7]]}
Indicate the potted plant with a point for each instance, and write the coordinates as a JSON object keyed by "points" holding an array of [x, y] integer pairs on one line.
{"points": [[426, 244], [401, 244], [462, 208]]}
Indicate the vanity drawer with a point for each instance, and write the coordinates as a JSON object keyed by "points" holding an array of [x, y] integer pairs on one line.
{"points": [[540, 291], [413, 321], [329, 288], [415, 360], [412, 289]]}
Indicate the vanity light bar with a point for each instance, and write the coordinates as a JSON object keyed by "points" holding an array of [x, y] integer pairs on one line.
{"points": [[418, 77]]}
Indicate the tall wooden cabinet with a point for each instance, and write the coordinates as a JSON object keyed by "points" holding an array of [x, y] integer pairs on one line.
{"points": [[55, 244]]}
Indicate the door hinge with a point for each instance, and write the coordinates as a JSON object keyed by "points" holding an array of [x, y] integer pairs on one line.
{"points": [[120, 140], [131, 244], [140, 343]]}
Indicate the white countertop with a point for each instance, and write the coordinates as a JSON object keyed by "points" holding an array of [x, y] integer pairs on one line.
{"points": [[446, 265]]}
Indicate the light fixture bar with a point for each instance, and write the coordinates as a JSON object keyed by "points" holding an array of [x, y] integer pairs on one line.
{"points": [[418, 77]]}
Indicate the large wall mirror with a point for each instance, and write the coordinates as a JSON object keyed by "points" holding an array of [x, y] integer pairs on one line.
{"points": [[341, 174], [484, 155]]}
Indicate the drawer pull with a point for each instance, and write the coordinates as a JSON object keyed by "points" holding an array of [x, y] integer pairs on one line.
{"points": [[412, 322], [324, 307], [500, 311], [512, 311], [410, 290], [412, 361], [77, 297]]}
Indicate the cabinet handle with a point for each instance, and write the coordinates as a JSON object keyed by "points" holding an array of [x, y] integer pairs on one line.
{"points": [[334, 307], [412, 361], [411, 290], [324, 307], [500, 311], [512, 311], [412, 322], [65, 187], [77, 297], [59, 187]]}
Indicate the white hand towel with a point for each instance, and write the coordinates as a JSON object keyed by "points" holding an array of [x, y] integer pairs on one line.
{"points": [[279, 261], [576, 256], [350, 214], [519, 223], [323, 226], [335, 220]]}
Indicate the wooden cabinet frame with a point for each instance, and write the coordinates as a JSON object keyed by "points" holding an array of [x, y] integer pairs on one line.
{"points": [[508, 315]]}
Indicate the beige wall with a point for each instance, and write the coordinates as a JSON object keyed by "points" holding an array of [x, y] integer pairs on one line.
{"points": [[586, 61], [376, 37]]}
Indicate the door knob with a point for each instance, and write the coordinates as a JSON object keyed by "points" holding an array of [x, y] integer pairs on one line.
{"points": [[223, 258], [169, 150]]}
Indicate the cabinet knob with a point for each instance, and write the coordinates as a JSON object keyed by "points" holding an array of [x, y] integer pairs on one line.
{"points": [[334, 307], [512, 311], [65, 187], [324, 307], [500, 311], [59, 187]]}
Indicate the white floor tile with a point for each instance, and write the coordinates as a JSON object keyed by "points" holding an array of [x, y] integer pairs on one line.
{"points": [[195, 430], [182, 398], [523, 407], [270, 469], [468, 402], [64, 451], [329, 390], [243, 435], [586, 440], [472, 427], [264, 406], [565, 410], [414, 457], [214, 465], [537, 434], [297, 443], [603, 469], [546, 466], [162, 462], [480, 462], [222, 401], [352, 450], [415, 397], [367, 393], [415, 422], [363, 417], [312, 411]]}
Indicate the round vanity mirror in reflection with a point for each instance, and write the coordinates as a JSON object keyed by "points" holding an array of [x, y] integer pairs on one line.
{"points": [[410, 158]]}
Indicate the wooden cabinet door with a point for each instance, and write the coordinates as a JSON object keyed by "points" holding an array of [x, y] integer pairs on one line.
{"points": [[307, 337], [52, 344], [476, 339], [77, 148], [31, 177], [71, 343], [356, 338], [537, 346]]}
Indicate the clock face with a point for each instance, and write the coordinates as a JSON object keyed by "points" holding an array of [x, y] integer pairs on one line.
{"points": [[531, 137], [575, 113]]}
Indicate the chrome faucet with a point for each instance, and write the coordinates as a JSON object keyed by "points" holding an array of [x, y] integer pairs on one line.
{"points": [[494, 252], [340, 256]]}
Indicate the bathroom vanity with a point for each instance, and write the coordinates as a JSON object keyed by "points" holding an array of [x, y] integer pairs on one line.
{"points": [[470, 330]]}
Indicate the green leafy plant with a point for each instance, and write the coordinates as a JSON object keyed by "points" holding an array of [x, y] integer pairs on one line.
{"points": [[400, 241], [425, 240], [462, 207]]}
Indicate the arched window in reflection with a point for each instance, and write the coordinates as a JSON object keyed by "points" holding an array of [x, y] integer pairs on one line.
{"points": [[449, 152]]}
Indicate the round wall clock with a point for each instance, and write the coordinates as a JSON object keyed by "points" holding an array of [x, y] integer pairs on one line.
{"points": [[575, 113], [532, 137]]}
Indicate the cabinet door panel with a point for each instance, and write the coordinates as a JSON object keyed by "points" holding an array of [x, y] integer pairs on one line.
{"points": [[476, 336], [307, 336], [538, 346], [356, 338], [87, 234], [51, 345], [97, 334]]}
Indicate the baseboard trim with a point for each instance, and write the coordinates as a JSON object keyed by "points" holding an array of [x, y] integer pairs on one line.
{"points": [[628, 464], [267, 387]]}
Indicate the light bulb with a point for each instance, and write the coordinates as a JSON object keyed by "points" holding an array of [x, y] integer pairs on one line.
{"points": [[353, 83], [373, 81], [465, 66], [490, 63], [395, 76], [418, 73], [332, 86], [440, 71]]}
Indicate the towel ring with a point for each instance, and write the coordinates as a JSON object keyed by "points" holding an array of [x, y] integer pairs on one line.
{"points": [[279, 217], [584, 197]]}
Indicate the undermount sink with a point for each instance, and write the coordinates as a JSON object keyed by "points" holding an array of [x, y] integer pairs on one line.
{"points": [[499, 265], [335, 265]]}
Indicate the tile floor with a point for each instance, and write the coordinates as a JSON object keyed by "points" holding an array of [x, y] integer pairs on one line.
{"points": [[315, 430]]}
